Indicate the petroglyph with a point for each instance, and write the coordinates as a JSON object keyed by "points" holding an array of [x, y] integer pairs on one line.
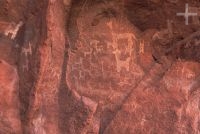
{"points": [[118, 41], [88, 53], [141, 49], [77, 65], [26, 52], [25, 66], [94, 42], [97, 47], [121, 63], [104, 61], [12, 29]]}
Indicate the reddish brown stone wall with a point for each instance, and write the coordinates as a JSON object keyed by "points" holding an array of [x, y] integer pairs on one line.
{"points": [[98, 67]]}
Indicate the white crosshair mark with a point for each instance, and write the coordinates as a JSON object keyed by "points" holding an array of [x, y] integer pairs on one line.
{"points": [[187, 14]]}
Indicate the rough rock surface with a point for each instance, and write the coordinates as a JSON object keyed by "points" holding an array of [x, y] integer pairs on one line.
{"points": [[127, 74], [44, 116], [9, 106], [99, 67], [164, 107]]}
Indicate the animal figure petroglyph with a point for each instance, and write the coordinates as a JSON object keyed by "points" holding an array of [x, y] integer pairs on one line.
{"points": [[130, 37], [10, 29]]}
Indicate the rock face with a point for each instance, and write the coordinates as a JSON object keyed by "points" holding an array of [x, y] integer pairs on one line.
{"points": [[44, 116], [104, 65], [163, 107], [98, 67], [9, 93]]}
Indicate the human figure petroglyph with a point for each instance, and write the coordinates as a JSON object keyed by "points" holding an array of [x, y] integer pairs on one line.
{"points": [[28, 50], [25, 66]]}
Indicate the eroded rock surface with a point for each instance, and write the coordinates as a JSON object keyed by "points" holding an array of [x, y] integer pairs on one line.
{"points": [[10, 121], [128, 75], [157, 108], [104, 65], [98, 67]]}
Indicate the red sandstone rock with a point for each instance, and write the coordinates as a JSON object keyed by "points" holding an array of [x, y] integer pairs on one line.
{"points": [[9, 100], [159, 109], [110, 78], [104, 66], [44, 108]]}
